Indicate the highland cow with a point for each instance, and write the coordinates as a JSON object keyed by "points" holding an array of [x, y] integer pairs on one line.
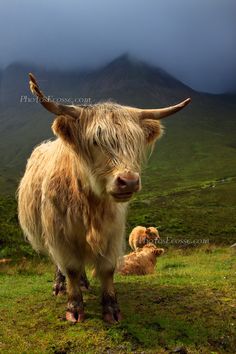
{"points": [[73, 197]]}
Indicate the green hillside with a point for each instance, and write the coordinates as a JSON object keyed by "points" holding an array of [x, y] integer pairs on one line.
{"points": [[189, 182]]}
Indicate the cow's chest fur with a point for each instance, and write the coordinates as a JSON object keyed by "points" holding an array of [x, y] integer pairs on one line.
{"points": [[87, 225]]}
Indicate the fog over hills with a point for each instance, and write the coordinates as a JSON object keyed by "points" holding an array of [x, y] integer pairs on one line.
{"points": [[109, 81], [125, 80]]}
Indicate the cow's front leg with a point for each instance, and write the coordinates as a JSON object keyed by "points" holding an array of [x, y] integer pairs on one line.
{"points": [[110, 308], [75, 306], [59, 287]]}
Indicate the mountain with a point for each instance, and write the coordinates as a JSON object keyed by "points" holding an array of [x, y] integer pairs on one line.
{"points": [[122, 79], [207, 125], [130, 81]]}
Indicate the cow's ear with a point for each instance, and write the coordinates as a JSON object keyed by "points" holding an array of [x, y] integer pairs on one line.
{"points": [[152, 129], [65, 128]]}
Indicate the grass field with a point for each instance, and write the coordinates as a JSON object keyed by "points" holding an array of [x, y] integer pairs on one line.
{"points": [[189, 304], [204, 211]]}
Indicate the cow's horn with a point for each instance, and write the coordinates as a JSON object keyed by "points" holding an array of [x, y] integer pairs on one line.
{"points": [[162, 112], [51, 106]]}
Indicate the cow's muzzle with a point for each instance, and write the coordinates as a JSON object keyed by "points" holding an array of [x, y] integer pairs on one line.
{"points": [[126, 184]]}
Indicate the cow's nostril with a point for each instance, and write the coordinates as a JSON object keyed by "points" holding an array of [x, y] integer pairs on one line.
{"points": [[127, 184], [121, 182]]}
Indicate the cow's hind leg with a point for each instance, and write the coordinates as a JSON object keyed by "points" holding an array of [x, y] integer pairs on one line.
{"points": [[75, 306], [84, 282], [110, 308], [59, 287]]}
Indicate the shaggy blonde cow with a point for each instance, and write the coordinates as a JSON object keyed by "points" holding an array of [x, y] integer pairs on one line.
{"points": [[141, 235], [140, 262], [75, 191]]}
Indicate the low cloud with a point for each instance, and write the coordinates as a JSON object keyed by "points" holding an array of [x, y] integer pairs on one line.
{"points": [[194, 40]]}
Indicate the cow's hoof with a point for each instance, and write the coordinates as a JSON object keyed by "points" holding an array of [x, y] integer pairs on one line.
{"points": [[75, 312], [75, 317], [84, 283], [111, 311], [59, 289], [112, 317], [85, 288]]}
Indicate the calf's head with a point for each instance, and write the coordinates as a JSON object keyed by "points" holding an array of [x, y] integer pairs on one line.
{"points": [[150, 248], [110, 140], [152, 233]]}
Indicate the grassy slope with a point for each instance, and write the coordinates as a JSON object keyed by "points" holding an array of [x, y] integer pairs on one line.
{"points": [[188, 186], [189, 301], [205, 212], [201, 212]]}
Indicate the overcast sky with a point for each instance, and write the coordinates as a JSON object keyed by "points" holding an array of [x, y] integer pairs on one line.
{"points": [[194, 40]]}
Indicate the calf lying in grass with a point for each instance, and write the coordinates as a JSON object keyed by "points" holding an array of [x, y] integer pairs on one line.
{"points": [[141, 235], [140, 262]]}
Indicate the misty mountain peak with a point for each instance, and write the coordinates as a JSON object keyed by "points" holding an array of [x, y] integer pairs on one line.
{"points": [[125, 79], [123, 60]]}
